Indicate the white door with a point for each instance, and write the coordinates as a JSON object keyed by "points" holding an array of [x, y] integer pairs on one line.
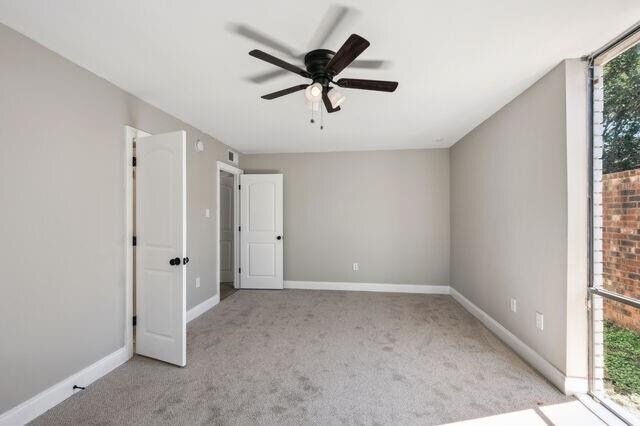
{"points": [[226, 228], [161, 232], [261, 231]]}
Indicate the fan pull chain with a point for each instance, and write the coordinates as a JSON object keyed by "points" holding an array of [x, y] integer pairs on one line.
{"points": [[312, 120], [321, 117]]}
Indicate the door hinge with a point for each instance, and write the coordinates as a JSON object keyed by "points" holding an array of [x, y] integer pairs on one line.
{"points": [[239, 270], [239, 228], [135, 320], [133, 161], [135, 241], [239, 187]]}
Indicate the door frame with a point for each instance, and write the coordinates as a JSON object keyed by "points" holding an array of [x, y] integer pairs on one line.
{"points": [[236, 172], [130, 134]]}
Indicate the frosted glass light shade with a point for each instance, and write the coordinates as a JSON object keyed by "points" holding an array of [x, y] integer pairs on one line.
{"points": [[313, 92], [336, 98]]}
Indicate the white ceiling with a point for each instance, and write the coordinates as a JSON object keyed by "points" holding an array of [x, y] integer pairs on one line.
{"points": [[457, 61]]}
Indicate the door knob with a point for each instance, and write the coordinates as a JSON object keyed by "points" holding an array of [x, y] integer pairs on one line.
{"points": [[279, 237], [174, 261]]}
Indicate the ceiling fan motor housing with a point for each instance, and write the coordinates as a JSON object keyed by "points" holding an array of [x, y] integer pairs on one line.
{"points": [[316, 63]]}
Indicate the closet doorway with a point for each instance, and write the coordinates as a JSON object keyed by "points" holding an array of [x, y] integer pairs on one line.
{"points": [[228, 228]]}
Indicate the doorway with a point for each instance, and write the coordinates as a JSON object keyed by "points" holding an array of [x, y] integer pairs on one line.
{"points": [[228, 273], [226, 235], [131, 134]]}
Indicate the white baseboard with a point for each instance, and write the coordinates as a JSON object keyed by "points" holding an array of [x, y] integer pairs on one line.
{"points": [[57, 393], [352, 286], [575, 385], [203, 307], [568, 385]]}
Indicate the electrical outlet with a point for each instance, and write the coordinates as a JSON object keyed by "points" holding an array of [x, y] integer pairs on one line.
{"points": [[198, 282], [207, 213], [539, 321], [356, 266], [514, 305]]}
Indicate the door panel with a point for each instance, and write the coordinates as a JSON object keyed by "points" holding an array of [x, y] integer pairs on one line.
{"points": [[262, 259], [262, 207], [261, 211], [161, 236]]}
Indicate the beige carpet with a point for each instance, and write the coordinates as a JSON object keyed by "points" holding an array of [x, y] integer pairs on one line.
{"points": [[226, 290], [319, 357]]}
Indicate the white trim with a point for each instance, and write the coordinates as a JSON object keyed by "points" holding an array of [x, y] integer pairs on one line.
{"points": [[62, 390], [568, 385], [236, 172], [203, 307], [378, 287], [130, 133], [228, 168], [602, 411], [575, 385]]}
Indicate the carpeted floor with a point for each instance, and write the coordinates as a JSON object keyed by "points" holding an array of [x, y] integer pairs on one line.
{"points": [[323, 358], [226, 290]]}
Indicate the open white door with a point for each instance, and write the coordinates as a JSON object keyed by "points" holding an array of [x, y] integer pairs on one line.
{"points": [[161, 232], [261, 231]]}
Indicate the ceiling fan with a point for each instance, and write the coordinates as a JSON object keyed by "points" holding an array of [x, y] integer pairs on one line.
{"points": [[335, 19], [322, 66]]}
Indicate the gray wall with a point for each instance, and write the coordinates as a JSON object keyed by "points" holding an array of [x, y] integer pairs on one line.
{"points": [[386, 210], [510, 218], [62, 215]]}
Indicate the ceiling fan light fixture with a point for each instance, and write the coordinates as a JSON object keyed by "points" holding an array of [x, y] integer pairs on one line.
{"points": [[313, 93], [336, 98]]}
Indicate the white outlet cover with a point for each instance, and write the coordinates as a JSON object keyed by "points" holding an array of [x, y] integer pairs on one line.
{"points": [[356, 266], [198, 282], [514, 305], [539, 321], [207, 213]]}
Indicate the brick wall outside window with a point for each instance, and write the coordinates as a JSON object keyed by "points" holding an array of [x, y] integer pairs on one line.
{"points": [[621, 243]]}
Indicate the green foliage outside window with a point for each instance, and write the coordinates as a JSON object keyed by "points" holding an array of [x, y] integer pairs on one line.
{"points": [[622, 358], [622, 112]]}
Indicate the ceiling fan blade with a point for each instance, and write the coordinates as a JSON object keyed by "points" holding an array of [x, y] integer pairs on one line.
{"points": [[327, 102], [334, 17], [349, 51], [266, 76], [278, 62], [255, 35], [370, 64], [285, 91], [378, 85]]}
